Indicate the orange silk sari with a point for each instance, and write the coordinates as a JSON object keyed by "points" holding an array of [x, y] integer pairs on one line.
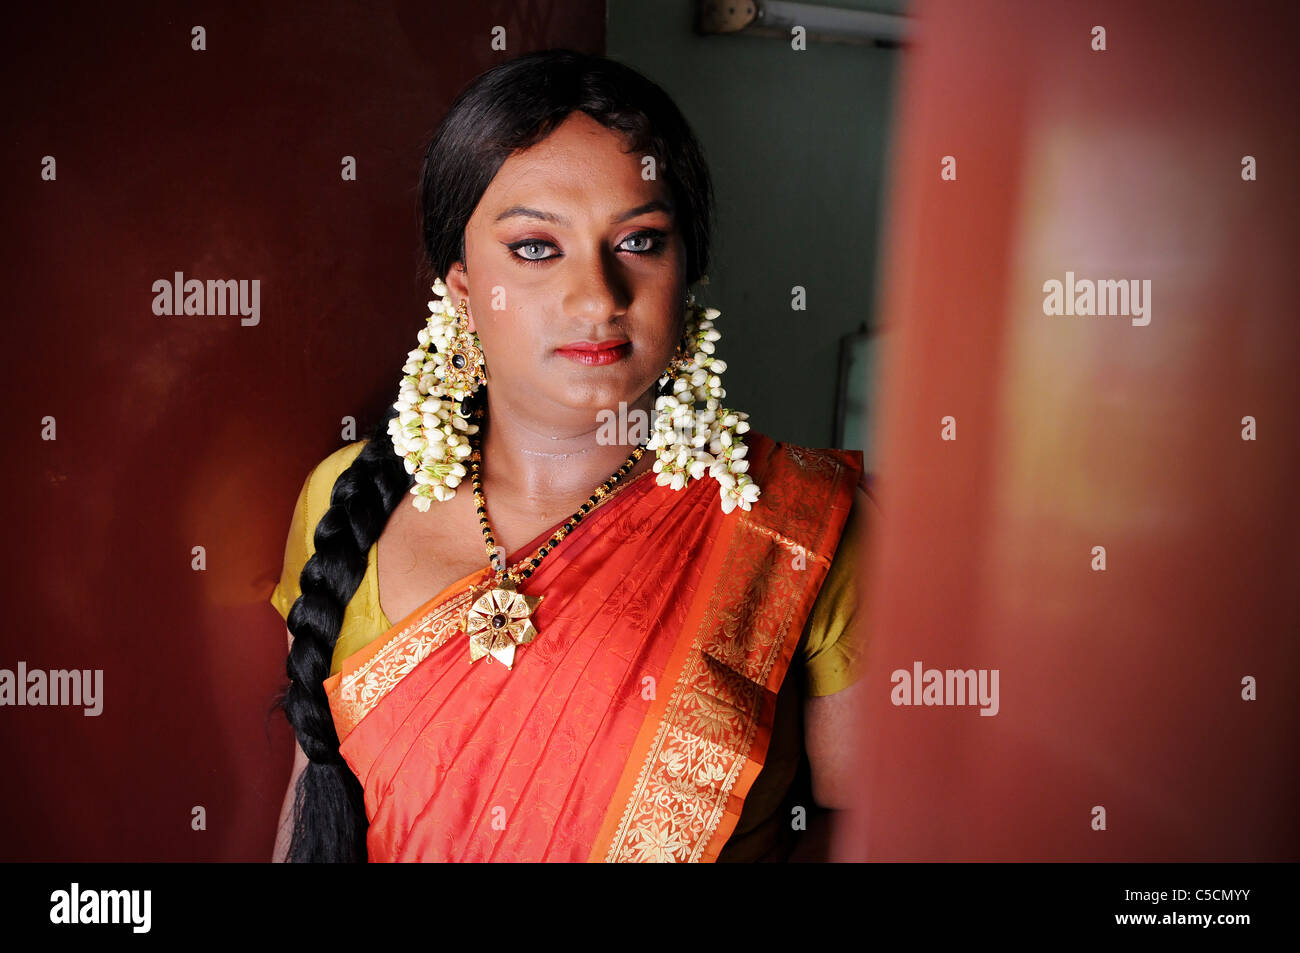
{"points": [[633, 726]]}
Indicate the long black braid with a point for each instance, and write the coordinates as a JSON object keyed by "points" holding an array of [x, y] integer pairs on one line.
{"points": [[329, 815]]}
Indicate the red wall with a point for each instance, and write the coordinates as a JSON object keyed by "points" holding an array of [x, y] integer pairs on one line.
{"points": [[175, 432], [1123, 688]]}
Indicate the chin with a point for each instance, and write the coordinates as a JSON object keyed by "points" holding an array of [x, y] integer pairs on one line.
{"points": [[605, 394]]}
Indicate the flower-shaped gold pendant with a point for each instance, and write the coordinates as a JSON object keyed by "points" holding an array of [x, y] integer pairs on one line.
{"points": [[498, 621]]}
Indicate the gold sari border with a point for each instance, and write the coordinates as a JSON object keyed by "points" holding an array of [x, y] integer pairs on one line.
{"points": [[702, 745], [371, 673]]}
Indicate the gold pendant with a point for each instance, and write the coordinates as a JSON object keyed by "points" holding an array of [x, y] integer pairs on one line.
{"points": [[498, 621]]}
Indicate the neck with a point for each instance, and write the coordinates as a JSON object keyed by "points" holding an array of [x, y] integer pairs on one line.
{"points": [[524, 459]]}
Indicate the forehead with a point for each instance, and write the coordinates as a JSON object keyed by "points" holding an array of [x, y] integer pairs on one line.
{"points": [[581, 165]]}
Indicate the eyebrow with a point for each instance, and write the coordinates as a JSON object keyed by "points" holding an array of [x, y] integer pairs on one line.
{"points": [[523, 211]]}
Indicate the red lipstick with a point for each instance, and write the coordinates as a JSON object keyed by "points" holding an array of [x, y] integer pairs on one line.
{"points": [[593, 353]]}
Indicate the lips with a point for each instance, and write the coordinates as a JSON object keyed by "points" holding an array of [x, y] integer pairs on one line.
{"points": [[593, 353]]}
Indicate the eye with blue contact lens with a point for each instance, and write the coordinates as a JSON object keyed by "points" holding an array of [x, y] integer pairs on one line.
{"points": [[651, 235]]}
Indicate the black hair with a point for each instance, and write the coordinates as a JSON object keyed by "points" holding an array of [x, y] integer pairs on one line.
{"points": [[512, 106]]}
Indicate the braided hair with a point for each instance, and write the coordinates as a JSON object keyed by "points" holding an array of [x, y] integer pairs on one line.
{"points": [[510, 107]]}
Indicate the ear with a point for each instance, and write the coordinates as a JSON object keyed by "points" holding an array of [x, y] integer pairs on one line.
{"points": [[457, 282]]}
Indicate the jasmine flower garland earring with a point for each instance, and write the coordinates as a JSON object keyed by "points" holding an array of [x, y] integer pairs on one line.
{"points": [[687, 439], [431, 430]]}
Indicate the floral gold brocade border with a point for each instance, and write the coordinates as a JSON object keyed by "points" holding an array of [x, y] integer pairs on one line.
{"points": [[353, 694], [710, 738]]}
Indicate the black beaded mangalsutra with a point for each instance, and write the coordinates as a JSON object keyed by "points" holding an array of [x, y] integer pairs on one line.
{"points": [[500, 619]]}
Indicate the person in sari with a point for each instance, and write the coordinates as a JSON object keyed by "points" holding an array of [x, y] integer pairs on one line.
{"points": [[634, 691]]}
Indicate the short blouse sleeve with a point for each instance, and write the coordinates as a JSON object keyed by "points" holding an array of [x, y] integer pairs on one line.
{"points": [[834, 644], [313, 501], [296, 554]]}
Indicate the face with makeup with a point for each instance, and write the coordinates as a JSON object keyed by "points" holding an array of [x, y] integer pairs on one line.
{"points": [[575, 278]]}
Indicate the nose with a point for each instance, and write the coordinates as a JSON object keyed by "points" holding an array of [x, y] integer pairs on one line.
{"points": [[596, 291]]}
